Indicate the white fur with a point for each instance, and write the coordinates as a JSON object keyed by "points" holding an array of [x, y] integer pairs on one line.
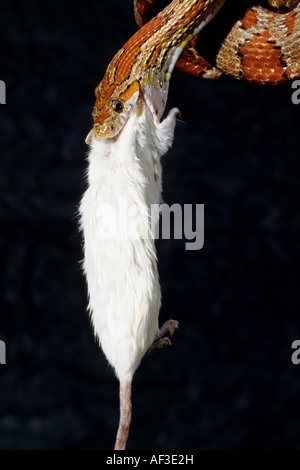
{"points": [[122, 277]]}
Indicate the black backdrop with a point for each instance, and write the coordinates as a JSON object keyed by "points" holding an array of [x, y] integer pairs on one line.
{"points": [[228, 381]]}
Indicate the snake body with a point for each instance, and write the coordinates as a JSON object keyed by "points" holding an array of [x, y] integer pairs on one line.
{"points": [[263, 46], [258, 45], [245, 41], [144, 64]]}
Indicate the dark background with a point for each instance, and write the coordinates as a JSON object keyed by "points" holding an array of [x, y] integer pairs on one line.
{"points": [[228, 381]]}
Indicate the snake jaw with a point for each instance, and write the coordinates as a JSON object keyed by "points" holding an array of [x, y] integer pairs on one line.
{"points": [[152, 90], [155, 98], [154, 85], [108, 122]]}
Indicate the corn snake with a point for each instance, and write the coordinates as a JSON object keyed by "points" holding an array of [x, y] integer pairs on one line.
{"points": [[259, 45], [254, 43]]}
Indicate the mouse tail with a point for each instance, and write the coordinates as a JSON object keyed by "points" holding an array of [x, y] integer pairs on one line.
{"points": [[125, 414]]}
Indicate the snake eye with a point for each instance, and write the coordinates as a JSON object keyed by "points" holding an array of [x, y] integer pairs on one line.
{"points": [[117, 106]]}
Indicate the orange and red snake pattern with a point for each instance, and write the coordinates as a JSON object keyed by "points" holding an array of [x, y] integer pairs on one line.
{"points": [[255, 43], [236, 38]]}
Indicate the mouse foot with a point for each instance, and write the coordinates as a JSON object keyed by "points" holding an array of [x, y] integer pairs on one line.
{"points": [[168, 327], [160, 340]]}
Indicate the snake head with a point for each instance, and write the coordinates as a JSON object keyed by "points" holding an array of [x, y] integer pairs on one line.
{"points": [[112, 109]]}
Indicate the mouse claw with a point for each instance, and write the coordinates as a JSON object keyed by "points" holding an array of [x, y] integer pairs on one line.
{"points": [[159, 344], [168, 327]]}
